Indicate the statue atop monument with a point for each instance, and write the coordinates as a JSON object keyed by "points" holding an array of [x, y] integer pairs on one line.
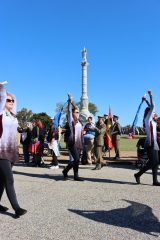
{"points": [[84, 55]]}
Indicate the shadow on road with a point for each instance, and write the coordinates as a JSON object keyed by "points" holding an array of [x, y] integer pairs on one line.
{"points": [[60, 177], [47, 176], [8, 214], [137, 216], [103, 180]]}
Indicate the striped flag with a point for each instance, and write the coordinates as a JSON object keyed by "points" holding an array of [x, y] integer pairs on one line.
{"points": [[108, 136]]}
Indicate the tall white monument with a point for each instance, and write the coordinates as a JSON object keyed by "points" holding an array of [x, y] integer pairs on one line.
{"points": [[84, 112]]}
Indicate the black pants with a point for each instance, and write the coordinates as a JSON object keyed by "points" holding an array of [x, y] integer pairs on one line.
{"points": [[54, 159], [26, 152], [75, 163], [151, 164], [7, 182]]}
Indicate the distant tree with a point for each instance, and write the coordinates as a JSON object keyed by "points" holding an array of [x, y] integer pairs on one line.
{"points": [[61, 105], [43, 117], [92, 108], [126, 129], [24, 116]]}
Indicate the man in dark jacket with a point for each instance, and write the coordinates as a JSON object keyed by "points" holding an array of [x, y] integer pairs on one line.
{"points": [[25, 141], [116, 133]]}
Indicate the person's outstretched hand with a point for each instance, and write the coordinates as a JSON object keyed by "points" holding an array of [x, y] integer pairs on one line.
{"points": [[69, 97], [150, 92], [144, 97]]}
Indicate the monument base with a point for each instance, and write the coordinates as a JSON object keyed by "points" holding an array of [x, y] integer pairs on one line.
{"points": [[83, 116]]}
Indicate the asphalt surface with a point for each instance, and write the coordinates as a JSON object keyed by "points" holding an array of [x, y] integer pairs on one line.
{"points": [[108, 205]]}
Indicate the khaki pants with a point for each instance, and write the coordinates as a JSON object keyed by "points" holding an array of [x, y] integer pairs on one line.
{"points": [[116, 144], [98, 153], [89, 149]]}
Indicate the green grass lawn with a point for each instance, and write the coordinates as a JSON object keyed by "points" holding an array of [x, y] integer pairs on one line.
{"points": [[128, 144], [125, 143]]}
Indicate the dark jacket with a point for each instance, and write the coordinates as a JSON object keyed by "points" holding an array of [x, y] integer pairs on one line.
{"points": [[116, 131], [27, 140], [38, 133], [52, 133]]}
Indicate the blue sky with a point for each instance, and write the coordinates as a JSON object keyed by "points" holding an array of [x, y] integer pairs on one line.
{"points": [[40, 52]]}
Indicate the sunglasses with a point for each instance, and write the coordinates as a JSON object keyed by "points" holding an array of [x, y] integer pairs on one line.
{"points": [[10, 100], [76, 112]]}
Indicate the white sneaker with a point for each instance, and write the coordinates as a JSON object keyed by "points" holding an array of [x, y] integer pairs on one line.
{"points": [[54, 167]]}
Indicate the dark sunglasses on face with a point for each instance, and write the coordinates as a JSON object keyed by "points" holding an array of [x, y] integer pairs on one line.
{"points": [[76, 112], [10, 100]]}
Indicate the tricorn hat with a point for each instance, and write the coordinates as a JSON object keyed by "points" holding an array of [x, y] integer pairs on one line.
{"points": [[101, 117], [115, 116]]}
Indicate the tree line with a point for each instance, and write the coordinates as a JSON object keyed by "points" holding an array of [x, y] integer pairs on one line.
{"points": [[25, 115]]}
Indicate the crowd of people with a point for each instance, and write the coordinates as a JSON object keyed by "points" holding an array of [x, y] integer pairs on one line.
{"points": [[89, 141]]}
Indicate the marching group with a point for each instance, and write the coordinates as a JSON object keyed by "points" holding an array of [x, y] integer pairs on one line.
{"points": [[90, 139]]}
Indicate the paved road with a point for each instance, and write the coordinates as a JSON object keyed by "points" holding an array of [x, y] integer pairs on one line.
{"points": [[108, 205]]}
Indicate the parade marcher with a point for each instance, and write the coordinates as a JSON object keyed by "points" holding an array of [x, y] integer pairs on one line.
{"points": [[8, 149], [37, 142], [158, 136], [52, 140], [89, 139], [100, 131], [106, 119], [66, 131], [74, 140], [105, 147], [25, 141], [116, 133], [151, 144]]}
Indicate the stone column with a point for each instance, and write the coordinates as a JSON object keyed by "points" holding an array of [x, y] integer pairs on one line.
{"points": [[84, 113], [84, 97]]}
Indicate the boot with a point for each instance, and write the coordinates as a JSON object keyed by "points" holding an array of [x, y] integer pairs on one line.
{"points": [[37, 160], [66, 170], [156, 183], [155, 180], [19, 212], [137, 178], [76, 177], [137, 175], [3, 209], [97, 167]]}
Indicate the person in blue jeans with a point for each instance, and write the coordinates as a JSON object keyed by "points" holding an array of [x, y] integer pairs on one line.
{"points": [[74, 140], [89, 139]]}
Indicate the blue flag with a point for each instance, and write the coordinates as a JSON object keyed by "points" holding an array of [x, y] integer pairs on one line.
{"points": [[57, 118], [132, 129]]}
